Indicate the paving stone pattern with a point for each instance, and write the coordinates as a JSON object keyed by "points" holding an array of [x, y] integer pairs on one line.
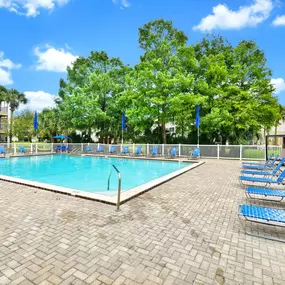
{"points": [[185, 231]]}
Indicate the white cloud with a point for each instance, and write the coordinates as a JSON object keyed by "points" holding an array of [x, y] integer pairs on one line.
{"points": [[52, 59], [279, 21], [246, 16], [279, 85], [37, 101], [30, 8], [123, 3], [6, 65]]}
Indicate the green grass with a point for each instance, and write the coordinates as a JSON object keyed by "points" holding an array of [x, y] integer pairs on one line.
{"points": [[257, 153]]}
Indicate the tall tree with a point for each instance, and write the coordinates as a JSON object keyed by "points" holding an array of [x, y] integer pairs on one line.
{"points": [[158, 85], [240, 100], [23, 126], [88, 96], [14, 98]]}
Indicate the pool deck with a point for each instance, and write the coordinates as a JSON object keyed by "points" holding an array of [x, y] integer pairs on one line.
{"points": [[185, 231]]}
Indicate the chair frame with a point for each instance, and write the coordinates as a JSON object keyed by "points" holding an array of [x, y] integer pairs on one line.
{"points": [[259, 221]]}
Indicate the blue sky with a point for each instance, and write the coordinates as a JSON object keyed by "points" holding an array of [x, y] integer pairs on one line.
{"points": [[40, 38]]}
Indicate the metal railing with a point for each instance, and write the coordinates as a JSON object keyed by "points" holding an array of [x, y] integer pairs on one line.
{"points": [[119, 185], [236, 152]]}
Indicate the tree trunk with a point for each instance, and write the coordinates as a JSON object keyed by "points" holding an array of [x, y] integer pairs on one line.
{"points": [[11, 126], [163, 130]]}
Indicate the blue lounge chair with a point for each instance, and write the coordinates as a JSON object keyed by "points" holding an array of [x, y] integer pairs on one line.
{"points": [[154, 151], [112, 149], [139, 150], [172, 153], [87, 149], [257, 193], [125, 150], [2, 150], [68, 149], [258, 163], [22, 149], [100, 149], [64, 148], [275, 171], [268, 216], [268, 166], [265, 180], [196, 153]]}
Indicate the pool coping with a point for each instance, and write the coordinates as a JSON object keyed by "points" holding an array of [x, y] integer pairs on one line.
{"points": [[125, 196]]}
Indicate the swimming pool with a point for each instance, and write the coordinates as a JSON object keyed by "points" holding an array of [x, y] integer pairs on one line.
{"points": [[88, 173]]}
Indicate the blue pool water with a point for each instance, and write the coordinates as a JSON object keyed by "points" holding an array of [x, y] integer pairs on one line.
{"points": [[87, 173]]}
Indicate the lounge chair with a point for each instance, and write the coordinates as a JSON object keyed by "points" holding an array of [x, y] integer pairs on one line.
{"points": [[112, 149], [196, 153], [268, 216], [172, 153], [88, 149], [2, 150], [259, 163], [63, 148], [100, 149], [22, 150], [125, 150], [264, 166], [275, 171], [139, 150], [264, 180], [265, 194], [154, 151]]}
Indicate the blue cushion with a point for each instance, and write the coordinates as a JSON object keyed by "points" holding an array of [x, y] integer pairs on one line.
{"points": [[265, 192], [268, 214], [257, 179]]}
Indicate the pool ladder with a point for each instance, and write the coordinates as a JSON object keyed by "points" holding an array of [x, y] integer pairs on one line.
{"points": [[119, 185]]}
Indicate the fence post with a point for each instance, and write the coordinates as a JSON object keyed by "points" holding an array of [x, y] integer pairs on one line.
{"points": [[133, 148], [179, 150], [51, 148], [81, 147], [15, 150], [36, 148], [121, 147], [31, 147], [147, 149], [218, 151], [98, 145], [162, 149], [240, 152]]}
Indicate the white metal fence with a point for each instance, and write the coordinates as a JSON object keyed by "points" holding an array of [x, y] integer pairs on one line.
{"points": [[241, 152]]}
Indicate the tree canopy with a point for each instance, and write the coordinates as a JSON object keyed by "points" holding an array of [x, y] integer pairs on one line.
{"points": [[230, 83]]}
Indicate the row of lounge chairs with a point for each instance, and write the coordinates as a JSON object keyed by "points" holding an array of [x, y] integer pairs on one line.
{"points": [[154, 152], [256, 177], [3, 150]]}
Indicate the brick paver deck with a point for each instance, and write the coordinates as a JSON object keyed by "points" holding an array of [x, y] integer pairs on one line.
{"points": [[183, 232]]}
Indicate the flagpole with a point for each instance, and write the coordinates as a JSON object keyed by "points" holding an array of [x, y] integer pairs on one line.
{"points": [[198, 129]]}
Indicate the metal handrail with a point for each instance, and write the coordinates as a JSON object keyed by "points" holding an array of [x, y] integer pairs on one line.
{"points": [[119, 185]]}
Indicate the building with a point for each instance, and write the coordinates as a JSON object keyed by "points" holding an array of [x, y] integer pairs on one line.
{"points": [[4, 121]]}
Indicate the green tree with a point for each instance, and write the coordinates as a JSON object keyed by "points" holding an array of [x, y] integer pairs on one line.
{"points": [[240, 100], [14, 99], [158, 85], [23, 125], [89, 95]]}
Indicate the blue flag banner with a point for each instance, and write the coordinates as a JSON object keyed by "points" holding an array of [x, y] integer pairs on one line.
{"points": [[197, 116], [36, 121], [123, 122]]}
